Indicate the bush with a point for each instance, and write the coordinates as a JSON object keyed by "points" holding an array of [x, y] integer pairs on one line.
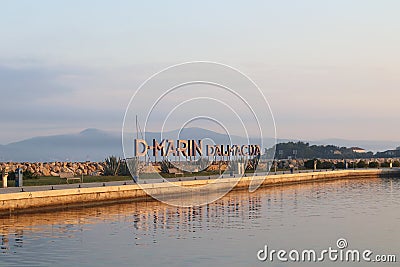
{"points": [[373, 164], [325, 165], [165, 166], [309, 164], [396, 163], [11, 176], [351, 165], [25, 175], [29, 175], [111, 166], [115, 166], [361, 164], [123, 169], [340, 165], [385, 164]]}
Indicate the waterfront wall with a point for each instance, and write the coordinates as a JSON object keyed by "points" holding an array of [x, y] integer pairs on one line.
{"points": [[50, 199]]}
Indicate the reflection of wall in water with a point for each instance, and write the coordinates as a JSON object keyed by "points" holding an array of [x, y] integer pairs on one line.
{"points": [[13, 240], [230, 211]]}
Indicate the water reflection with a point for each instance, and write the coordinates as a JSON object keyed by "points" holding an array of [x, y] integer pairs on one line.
{"points": [[144, 224], [231, 211]]}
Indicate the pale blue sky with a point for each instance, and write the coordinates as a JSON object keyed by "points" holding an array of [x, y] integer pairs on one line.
{"points": [[330, 69]]}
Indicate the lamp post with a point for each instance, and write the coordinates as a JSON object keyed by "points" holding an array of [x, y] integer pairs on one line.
{"points": [[4, 175]]}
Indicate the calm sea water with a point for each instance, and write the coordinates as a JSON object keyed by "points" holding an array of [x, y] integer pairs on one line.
{"points": [[228, 232]]}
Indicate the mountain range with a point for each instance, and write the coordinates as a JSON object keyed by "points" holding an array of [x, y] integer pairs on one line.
{"points": [[96, 145]]}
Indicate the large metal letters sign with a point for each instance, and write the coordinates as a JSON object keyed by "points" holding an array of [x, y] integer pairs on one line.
{"points": [[192, 148]]}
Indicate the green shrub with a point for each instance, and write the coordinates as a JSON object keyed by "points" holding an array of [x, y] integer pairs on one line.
{"points": [[339, 165], [111, 166], [373, 164], [29, 175], [165, 166], [325, 165], [352, 165], [385, 164], [309, 164], [361, 164]]}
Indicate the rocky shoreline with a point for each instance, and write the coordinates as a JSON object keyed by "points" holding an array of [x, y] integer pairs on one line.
{"points": [[55, 168], [98, 168]]}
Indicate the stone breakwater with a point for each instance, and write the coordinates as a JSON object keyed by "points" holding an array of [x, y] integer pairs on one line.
{"points": [[55, 168], [97, 168]]}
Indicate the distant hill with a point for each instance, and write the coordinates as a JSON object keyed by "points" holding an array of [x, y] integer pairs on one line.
{"points": [[369, 145], [96, 145], [303, 150], [90, 144]]}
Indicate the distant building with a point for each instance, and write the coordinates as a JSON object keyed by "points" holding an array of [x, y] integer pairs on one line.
{"points": [[358, 150], [337, 152], [390, 153], [398, 148]]}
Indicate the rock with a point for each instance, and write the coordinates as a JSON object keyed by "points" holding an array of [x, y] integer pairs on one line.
{"points": [[56, 169], [46, 172]]}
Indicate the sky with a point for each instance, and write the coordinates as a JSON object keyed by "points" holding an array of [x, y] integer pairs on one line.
{"points": [[329, 69]]}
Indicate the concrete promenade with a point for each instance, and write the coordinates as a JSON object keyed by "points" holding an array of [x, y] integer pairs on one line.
{"points": [[39, 198]]}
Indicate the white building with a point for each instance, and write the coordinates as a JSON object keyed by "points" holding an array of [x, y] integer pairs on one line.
{"points": [[358, 150]]}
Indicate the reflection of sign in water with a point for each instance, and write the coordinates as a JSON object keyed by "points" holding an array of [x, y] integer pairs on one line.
{"points": [[192, 148]]}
